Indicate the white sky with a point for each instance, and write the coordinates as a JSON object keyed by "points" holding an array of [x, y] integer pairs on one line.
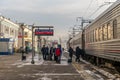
{"points": [[61, 14]]}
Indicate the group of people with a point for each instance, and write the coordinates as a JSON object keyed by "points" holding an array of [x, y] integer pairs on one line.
{"points": [[48, 53], [56, 53], [78, 52]]}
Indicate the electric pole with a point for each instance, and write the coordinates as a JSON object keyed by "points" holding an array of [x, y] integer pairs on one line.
{"points": [[82, 28]]}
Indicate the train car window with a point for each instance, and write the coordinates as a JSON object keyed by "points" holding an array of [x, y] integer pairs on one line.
{"points": [[91, 36], [96, 33], [115, 29], [109, 31], [104, 32], [94, 36], [85, 37], [88, 37], [100, 32]]}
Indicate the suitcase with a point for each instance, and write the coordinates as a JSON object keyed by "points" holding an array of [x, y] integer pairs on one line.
{"points": [[69, 60], [23, 57]]}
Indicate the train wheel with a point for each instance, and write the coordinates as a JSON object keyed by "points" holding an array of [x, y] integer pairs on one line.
{"points": [[117, 66]]}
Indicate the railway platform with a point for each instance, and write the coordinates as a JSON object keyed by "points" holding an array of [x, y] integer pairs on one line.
{"points": [[12, 68]]}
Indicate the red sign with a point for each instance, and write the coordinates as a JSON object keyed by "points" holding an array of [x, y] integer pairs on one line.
{"points": [[44, 32]]}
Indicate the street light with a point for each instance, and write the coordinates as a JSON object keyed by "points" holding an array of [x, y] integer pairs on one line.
{"points": [[32, 46], [22, 27]]}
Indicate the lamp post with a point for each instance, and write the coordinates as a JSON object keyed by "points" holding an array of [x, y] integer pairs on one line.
{"points": [[39, 46], [22, 27], [32, 46]]}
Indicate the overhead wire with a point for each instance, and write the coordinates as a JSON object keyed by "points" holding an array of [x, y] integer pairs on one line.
{"points": [[97, 3], [88, 8], [103, 4], [94, 12], [97, 9]]}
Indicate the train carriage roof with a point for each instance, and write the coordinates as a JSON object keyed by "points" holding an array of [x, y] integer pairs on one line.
{"points": [[106, 11]]}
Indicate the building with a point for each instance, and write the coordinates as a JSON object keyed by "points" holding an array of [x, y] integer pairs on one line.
{"points": [[9, 29], [25, 34]]}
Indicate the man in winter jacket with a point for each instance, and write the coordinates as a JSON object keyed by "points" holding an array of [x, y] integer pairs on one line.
{"points": [[70, 53], [78, 53]]}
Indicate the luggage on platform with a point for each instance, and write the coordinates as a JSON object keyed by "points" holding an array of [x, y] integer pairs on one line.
{"points": [[69, 60]]}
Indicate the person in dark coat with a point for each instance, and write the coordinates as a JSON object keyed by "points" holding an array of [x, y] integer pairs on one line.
{"points": [[26, 49], [43, 50], [51, 53], [70, 53], [78, 53], [54, 53], [47, 52], [61, 52]]}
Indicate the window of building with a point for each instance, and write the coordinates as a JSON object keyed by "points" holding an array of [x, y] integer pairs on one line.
{"points": [[16, 33], [26, 33], [115, 29], [7, 30], [11, 31]]}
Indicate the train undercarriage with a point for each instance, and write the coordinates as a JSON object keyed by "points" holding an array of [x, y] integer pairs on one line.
{"points": [[114, 66]]}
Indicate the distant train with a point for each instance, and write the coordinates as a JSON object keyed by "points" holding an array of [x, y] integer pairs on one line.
{"points": [[101, 39]]}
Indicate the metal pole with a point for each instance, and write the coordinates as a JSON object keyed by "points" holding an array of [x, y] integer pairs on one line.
{"points": [[39, 46], [82, 34], [22, 26], [73, 37], [32, 46]]}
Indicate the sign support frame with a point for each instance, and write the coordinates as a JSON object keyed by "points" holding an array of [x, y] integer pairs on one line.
{"points": [[33, 49]]}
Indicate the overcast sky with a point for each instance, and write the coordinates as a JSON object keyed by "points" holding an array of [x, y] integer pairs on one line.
{"points": [[61, 14]]}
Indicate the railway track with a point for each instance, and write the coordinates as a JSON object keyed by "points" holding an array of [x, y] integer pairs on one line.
{"points": [[91, 72]]}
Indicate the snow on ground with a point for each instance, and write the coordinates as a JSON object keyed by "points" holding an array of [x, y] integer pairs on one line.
{"points": [[38, 61], [63, 61], [28, 61]]}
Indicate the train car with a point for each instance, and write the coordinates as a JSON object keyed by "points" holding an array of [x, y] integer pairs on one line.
{"points": [[76, 41], [102, 38]]}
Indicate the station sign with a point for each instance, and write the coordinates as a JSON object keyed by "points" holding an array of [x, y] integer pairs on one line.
{"points": [[44, 32]]}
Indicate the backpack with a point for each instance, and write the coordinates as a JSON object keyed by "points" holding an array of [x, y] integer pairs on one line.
{"points": [[57, 52]]}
